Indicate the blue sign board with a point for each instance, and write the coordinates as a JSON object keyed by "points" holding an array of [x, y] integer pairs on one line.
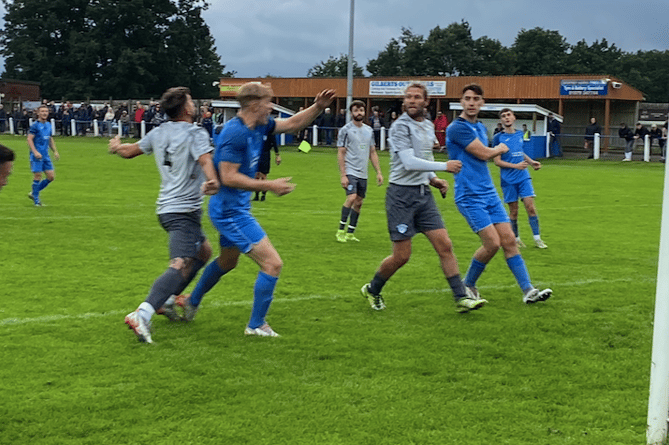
{"points": [[584, 88]]}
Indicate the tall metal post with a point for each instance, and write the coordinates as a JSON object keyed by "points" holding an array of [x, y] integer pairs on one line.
{"points": [[349, 74]]}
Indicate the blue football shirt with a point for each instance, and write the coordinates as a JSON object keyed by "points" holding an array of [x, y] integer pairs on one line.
{"points": [[238, 144], [42, 134], [515, 155], [474, 178]]}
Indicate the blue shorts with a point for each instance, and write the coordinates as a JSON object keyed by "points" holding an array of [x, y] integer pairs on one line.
{"points": [[241, 231], [522, 190], [40, 165], [482, 211]]}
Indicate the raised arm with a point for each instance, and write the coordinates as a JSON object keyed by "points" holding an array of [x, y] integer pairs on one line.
{"points": [[305, 117]]}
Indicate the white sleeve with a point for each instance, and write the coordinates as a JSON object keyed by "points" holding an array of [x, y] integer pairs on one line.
{"points": [[411, 162]]}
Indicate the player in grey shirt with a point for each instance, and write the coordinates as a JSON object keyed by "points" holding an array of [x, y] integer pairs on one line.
{"points": [[410, 206], [356, 148], [183, 155]]}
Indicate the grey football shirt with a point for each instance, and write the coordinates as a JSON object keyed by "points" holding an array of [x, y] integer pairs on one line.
{"points": [[357, 141], [409, 134], [176, 147]]}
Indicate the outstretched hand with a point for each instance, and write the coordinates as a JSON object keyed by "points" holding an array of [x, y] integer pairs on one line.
{"points": [[114, 144], [324, 98], [281, 186]]}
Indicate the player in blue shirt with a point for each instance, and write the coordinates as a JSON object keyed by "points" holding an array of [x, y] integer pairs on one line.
{"points": [[515, 179], [478, 201], [39, 141], [238, 148]]}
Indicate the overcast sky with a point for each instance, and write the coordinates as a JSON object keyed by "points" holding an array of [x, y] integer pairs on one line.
{"points": [[287, 37]]}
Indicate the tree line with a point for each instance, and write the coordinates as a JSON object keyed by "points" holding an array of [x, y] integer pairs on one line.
{"points": [[452, 51], [110, 48]]}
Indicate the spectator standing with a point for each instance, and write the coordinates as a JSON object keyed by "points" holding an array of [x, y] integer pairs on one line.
{"points": [[3, 119], [554, 130], [527, 134], [139, 115], [590, 132], [328, 123], [627, 134], [655, 134], [640, 133], [440, 124], [376, 122]]}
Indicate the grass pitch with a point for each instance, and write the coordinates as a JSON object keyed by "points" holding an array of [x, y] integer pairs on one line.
{"points": [[574, 370]]}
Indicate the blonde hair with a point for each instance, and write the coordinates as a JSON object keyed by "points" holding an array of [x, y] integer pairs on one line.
{"points": [[421, 87], [251, 92]]}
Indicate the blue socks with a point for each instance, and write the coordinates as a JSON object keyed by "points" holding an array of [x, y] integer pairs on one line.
{"points": [[476, 268], [263, 293], [212, 273], [534, 224], [514, 226], [43, 184], [519, 270]]}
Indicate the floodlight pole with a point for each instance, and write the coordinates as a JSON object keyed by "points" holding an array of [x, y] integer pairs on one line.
{"points": [[349, 72], [658, 402]]}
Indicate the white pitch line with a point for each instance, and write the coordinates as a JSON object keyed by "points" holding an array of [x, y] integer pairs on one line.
{"points": [[220, 304]]}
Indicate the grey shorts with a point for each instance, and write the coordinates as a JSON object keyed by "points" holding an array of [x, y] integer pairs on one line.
{"points": [[185, 231], [356, 186], [411, 210]]}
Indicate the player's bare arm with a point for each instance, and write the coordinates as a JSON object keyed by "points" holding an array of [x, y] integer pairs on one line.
{"points": [[123, 150], [231, 177], [375, 163], [211, 186], [341, 156], [453, 166], [440, 184], [476, 148], [52, 144], [503, 164], [305, 117], [31, 145], [535, 164]]}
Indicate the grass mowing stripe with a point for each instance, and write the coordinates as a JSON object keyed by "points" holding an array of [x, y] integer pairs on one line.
{"points": [[219, 304]]}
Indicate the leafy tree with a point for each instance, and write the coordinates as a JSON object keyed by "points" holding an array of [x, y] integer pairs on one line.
{"points": [[101, 48], [335, 67], [451, 50], [492, 58], [598, 58], [648, 72], [539, 51], [389, 61]]}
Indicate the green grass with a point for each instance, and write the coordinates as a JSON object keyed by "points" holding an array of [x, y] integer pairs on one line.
{"points": [[574, 370]]}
